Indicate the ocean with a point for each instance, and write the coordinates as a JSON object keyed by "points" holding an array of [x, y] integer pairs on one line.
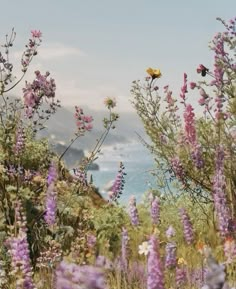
{"points": [[138, 163]]}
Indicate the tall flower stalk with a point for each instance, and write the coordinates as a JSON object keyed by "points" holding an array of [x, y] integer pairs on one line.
{"points": [[51, 196], [155, 276], [187, 227], [133, 211], [19, 252], [219, 195]]}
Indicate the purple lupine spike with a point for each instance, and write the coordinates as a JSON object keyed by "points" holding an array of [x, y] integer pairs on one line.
{"points": [[19, 252], [170, 232], [187, 227], [118, 184], [124, 244], [52, 174], [74, 276], [155, 211], [133, 212], [155, 276], [180, 276], [51, 197], [20, 141], [220, 201], [170, 260]]}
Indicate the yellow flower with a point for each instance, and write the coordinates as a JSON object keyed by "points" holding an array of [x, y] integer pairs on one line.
{"points": [[181, 261], [154, 73]]}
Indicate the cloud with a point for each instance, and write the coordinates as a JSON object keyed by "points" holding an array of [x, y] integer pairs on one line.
{"points": [[71, 93], [54, 51]]}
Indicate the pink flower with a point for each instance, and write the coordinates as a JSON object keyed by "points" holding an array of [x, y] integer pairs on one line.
{"points": [[203, 93], [202, 69], [192, 85], [36, 33], [201, 101]]}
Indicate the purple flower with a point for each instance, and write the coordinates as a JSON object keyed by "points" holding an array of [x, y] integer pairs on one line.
{"points": [[180, 276], [20, 141], [170, 232], [91, 240], [19, 252], [155, 277], [133, 212], [51, 197], [52, 174], [178, 169], [170, 255], [155, 211], [220, 201], [187, 226], [74, 276], [118, 184]]}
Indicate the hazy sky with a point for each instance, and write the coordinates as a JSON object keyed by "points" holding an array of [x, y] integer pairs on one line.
{"points": [[95, 48]]}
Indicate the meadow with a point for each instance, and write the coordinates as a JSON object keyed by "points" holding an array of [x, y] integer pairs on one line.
{"points": [[57, 231]]}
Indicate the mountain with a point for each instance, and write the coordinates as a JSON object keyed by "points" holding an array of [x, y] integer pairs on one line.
{"points": [[61, 127]]}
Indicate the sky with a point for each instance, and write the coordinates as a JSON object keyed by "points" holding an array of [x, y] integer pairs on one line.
{"points": [[95, 49]]}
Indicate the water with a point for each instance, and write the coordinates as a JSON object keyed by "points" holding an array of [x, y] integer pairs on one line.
{"points": [[137, 161]]}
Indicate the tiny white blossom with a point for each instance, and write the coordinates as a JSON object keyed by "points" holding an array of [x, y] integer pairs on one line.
{"points": [[144, 248]]}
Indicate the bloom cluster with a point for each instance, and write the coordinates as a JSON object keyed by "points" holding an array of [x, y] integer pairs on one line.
{"points": [[35, 91], [20, 140], [74, 276], [118, 184], [133, 212], [31, 49], [83, 122], [51, 196], [110, 102], [155, 211], [155, 278], [220, 201], [187, 225], [19, 251]]}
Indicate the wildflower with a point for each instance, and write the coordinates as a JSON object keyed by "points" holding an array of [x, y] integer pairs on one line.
{"points": [[178, 169], [118, 184], [155, 211], [170, 232], [180, 276], [74, 276], [91, 240], [110, 102], [187, 225], [154, 73], [184, 89], [182, 261], [144, 248], [133, 212], [36, 33], [51, 197], [34, 92], [230, 249], [155, 277], [192, 85], [20, 140], [201, 247], [19, 251], [83, 122], [202, 69], [170, 260], [219, 196], [102, 261]]}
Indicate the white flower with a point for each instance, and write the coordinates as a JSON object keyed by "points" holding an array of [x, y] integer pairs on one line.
{"points": [[144, 248]]}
